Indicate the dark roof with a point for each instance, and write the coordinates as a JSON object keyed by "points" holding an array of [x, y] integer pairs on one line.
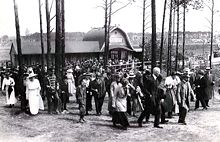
{"points": [[34, 47], [98, 34]]}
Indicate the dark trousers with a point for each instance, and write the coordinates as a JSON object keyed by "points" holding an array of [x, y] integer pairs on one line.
{"points": [[98, 103], [64, 99], [163, 116], [182, 114], [207, 102], [200, 99], [129, 105], [88, 101], [24, 102], [157, 119], [54, 102], [145, 114]]}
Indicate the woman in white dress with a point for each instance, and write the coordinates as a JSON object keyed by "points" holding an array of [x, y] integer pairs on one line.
{"points": [[33, 94], [71, 82], [8, 87]]}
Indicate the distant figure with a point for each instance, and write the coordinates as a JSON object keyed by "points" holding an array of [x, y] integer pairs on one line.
{"points": [[71, 82], [210, 86], [81, 100], [8, 87]]}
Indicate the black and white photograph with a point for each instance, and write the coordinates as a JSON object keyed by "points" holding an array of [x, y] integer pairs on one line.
{"points": [[109, 70]]}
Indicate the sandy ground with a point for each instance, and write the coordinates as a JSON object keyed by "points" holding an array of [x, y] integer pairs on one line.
{"points": [[20, 127]]}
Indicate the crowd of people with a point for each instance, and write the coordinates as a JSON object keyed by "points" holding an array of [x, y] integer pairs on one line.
{"points": [[129, 91]]}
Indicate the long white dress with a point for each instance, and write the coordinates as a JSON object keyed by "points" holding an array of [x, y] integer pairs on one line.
{"points": [[71, 83], [10, 98], [33, 95]]}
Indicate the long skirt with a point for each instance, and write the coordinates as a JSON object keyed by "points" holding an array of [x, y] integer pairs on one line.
{"points": [[71, 87], [120, 118], [10, 98], [35, 102]]}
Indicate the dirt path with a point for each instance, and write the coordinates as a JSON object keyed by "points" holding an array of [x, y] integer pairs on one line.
{"points": [[201, 126]]}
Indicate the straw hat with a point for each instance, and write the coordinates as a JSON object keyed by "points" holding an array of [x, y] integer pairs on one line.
{"points": [[32, 75]]}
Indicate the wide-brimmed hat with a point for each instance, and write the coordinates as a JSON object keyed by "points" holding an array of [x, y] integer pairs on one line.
{"points": [[32, 75], [69, 70], [208, 68]]}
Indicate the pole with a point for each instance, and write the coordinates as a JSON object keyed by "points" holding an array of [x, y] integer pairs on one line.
{"points": [[143, 34]]}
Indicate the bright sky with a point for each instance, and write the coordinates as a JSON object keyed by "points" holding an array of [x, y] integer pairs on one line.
{"points": [[82, 15]]}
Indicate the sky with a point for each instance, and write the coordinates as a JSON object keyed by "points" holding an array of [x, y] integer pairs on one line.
{"points": [[82, 15]]}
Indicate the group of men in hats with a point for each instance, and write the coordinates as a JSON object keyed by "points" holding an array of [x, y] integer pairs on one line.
{"points": [[128, 93]]}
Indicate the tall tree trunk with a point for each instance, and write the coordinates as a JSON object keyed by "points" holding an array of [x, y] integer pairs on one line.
{"points": [[169, 40], [108, 31], [143, 34], [41, 37], [106, 34], [18, 37], [58, 40], [177, 35], [49, 60], [63, 34], [184, 32], [154, 35], [162, 34], [212, 26]]}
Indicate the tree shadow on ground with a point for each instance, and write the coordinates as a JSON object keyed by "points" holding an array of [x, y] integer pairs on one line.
{"points": [[69, 119]]}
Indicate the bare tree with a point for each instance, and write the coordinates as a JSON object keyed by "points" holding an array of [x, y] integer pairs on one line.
{"points": [[184, 33], [177, 34], [18, 37], [154, 35], [58, 40], [41, 36], [48, 20], [108, 13], [63, 34], [143, 33], [162, 34], [170, 39], [212, 27]]}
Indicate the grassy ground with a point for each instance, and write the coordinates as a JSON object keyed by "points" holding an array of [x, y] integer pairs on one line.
{"points": [[20, 127]]}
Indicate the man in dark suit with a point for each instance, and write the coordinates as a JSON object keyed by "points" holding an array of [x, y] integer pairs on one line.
{"points": [[152, 99], [201, 85]]}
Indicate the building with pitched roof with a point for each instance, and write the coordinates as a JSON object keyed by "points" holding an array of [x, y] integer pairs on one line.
{"points": [[92, 46]]}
